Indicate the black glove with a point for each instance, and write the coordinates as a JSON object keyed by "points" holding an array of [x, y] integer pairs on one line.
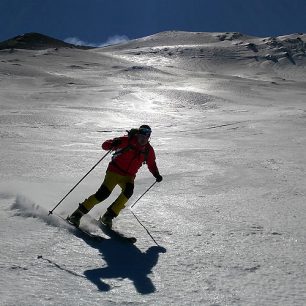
{"points": [[116, 142], [158, 177]]}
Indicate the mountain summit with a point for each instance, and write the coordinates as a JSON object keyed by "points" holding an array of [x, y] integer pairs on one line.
{"points": [[36, 41]]}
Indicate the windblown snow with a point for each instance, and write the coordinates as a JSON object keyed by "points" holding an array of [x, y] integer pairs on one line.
{"points": [[228, 116]]}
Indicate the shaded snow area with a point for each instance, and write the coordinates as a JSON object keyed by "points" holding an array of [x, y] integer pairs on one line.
{"points": [[228, 114]]}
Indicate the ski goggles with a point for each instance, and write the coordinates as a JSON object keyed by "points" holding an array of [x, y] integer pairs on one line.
{"points": [[144, 131]]}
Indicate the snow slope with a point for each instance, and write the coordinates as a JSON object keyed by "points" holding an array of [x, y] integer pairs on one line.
{"points": [[228, 116]]}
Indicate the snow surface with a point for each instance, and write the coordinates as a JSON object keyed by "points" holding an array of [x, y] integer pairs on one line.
{"points": [[228, 114]]}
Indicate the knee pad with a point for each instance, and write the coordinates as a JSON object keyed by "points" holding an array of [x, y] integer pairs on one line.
{"points": [[128, 190], [83, 209], [102, 193]]}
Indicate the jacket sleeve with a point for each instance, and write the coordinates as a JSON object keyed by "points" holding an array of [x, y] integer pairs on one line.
{"points": [[151, 163], [109, 144]]}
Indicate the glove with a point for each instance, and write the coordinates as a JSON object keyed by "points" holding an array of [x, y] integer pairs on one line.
{"points": [[116, 142], [158, 177]]}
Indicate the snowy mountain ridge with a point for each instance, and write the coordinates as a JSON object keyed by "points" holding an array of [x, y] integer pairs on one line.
{"points": [[202, 49]]}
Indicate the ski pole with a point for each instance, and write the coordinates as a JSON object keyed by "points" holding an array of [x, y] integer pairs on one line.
{"points": [[144, 228], [136, 216], [143, 194], [51, 211]]}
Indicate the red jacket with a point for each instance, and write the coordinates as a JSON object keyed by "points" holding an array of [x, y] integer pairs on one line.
{"points": [[129, 156]]}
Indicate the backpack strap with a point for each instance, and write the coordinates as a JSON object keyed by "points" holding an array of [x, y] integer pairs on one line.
{"points": [[146, 153], [122, 151], [131, 147]]}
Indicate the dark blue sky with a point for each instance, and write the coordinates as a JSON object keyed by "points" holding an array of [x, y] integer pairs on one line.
{"points": [[97, 20]]}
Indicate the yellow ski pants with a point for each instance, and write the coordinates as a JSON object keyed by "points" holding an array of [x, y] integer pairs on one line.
{"points": [[111, 180]]}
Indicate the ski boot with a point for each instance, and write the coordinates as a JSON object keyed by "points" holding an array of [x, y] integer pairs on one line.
{"points": [[75, 218], [107, 218]]}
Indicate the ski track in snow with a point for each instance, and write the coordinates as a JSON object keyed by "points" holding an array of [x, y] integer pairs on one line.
{"points": [[228, 118]]}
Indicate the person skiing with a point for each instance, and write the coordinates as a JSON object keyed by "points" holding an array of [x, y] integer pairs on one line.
{"points": [[130, 152]]}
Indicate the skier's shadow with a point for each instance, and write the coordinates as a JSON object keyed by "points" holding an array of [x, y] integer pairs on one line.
{"points": [[124, 260]]}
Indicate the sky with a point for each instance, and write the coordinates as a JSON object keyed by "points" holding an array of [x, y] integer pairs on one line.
{"points": [[98, 22]]}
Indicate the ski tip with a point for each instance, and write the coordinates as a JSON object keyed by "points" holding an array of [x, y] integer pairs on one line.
{"points": [[71, 223]]}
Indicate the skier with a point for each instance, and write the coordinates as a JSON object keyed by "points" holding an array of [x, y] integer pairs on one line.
{"points": [[130, 152]]}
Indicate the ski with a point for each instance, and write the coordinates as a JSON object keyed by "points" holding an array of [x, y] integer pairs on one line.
{"points": [[115, 234], [91, 235], [112, 233], [82, 231]]}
